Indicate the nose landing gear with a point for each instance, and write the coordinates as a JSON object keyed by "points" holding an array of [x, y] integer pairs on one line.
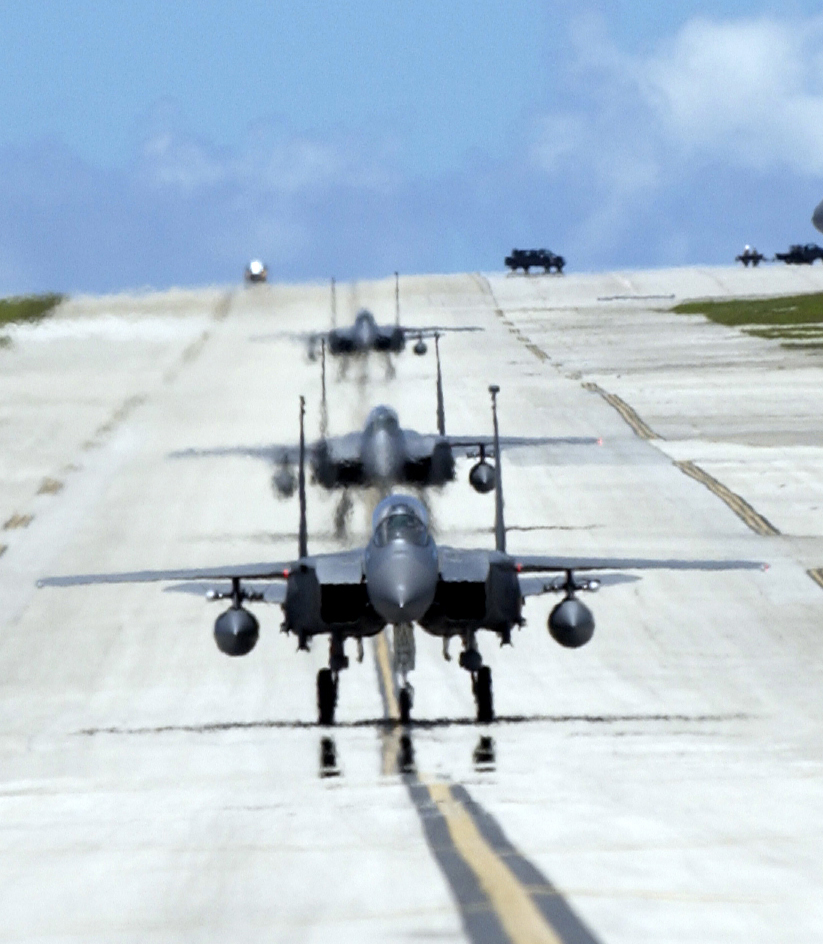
{"points": [[404, 659]]}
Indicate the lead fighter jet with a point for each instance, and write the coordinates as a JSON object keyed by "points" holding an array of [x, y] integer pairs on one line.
{"points": [[402, 577], [384, 454]]}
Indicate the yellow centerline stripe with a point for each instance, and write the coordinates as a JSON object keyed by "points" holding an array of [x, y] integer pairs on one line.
{"points": [[738, 505], [643, 430], [512, 904], [816, 575], [384, 665], [510, 899]]}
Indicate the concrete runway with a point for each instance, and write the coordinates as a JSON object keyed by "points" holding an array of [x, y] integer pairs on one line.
{"points": [[664, 783]]}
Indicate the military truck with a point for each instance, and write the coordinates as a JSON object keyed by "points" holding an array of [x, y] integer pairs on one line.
{"points": [[525, 259], [800, 255]]}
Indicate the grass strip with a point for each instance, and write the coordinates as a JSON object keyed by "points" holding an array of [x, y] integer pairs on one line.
{"points": [[27, 307], [785, 310]]}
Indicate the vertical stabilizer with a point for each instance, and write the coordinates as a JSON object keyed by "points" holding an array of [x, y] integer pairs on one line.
{"points": [[397, 298], [499, 523], [303, 534], [441, 408], [324, 409]]}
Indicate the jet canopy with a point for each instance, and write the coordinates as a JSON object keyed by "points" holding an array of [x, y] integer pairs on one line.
{"points": [[400, 518], [382, 417]]}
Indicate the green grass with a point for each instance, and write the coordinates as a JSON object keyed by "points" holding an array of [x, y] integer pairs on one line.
{"points": [[786, 310], [27, 307], [795, 318]]}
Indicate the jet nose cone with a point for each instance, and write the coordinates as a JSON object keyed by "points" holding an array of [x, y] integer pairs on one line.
{"points": [[401, 584]]}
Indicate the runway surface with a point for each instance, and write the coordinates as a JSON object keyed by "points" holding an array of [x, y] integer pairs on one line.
{"points": [[665, 783]]}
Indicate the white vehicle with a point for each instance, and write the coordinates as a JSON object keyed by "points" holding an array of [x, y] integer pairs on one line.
{"points": [[256, 271]]}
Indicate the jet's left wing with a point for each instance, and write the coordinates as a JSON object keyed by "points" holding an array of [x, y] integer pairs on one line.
{"points": [[536, 564], [431, 330], [471, 446]]}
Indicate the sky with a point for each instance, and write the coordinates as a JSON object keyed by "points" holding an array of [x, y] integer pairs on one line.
{"points": [[147, 144]]}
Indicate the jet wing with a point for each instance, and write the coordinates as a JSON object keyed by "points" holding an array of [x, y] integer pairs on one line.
{"points": [[470, 445], [431, 330], [536, 564], [335, 568], [338, 449], [273, 453], [464, 565], [268, 570], [269, 592], [531, 586]]}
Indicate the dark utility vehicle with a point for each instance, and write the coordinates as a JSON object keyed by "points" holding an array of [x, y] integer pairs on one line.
{"points": [[801, 255], [750, 255], [539, 258]]}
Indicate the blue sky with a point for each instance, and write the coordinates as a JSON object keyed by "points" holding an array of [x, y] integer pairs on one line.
{"points": [[152, 144]]}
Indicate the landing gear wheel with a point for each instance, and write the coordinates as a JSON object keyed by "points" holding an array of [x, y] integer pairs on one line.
{"points": [[404, 703], [326, 696], [482, 685]]}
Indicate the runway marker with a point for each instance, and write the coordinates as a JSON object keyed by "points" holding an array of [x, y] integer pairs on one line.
{"points": [[628, 413], [738, 505], [502, 897]]}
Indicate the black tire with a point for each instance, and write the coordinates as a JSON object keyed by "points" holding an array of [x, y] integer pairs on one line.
{"points": [[404, 704], [483, 694], [326, 697]]}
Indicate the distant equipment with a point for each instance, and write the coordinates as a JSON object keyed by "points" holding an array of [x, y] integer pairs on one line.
{"points": [[800, 255], [256, 271], [750, 256], [526, 259], [817, 216]]}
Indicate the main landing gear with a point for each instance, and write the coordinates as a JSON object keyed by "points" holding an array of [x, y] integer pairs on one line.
{"points": [[327, 679], [326, 696], [472, 661]]}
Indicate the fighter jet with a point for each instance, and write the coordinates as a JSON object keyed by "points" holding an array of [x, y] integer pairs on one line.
{"points": [[817, 216], [384, 454], [400, 578], [365, 334]]}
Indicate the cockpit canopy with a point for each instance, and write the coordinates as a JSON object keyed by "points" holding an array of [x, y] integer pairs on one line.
{"points": [[400, 518], [382, 417], [364, 316]]}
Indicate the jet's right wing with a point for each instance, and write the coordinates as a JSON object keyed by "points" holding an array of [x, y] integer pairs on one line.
{"points": [[273, 453]]}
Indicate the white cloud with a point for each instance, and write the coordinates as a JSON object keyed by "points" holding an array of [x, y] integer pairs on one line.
{"points": [[745, 91]]}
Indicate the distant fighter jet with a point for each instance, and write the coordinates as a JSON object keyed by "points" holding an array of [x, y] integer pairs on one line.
{"points": [[750, 255], [384, 454], [817, 216], [366, 334], [399, 578]]}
